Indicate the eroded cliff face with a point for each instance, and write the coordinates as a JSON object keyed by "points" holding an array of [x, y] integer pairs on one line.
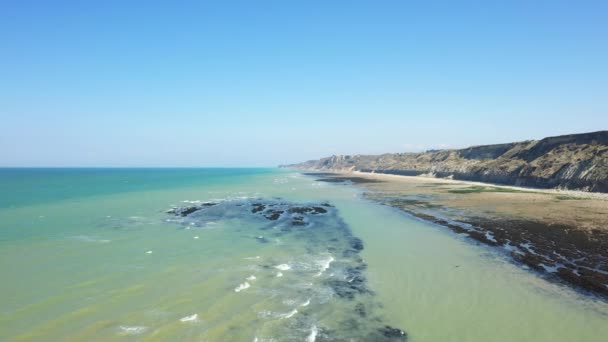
{"points": [[575, 162]]}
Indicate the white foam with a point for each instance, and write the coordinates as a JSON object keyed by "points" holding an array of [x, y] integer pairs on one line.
{"points": [[196, 238], [279, 274], [290, 313], [251, 277], [325, 265], [289, 301], [283, 267], [242, 287], [191, 318], [265, 314], [252, 258], [132, 330], [313, 334], [306, 303], [148, 252]]}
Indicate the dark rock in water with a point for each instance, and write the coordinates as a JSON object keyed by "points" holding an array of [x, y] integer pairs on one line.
{"points": [[587, 279], [298, 221], [356, 244], [349, 288], [273, 215], [349, 253], [300, 210], [360, 310], [257, 207], [343, 289], [322, 231], [392, 334], [362, 266], [319, 210], [184, 211], [307, 210], [481, 237]]}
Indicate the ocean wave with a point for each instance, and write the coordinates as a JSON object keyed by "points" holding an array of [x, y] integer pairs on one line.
{"points": [[242, 287], [191, 318], [283, 267], [279, 274], [277, 315], [313, 334], [289, 314], [325, 265], [251, 277], [132, 330]]}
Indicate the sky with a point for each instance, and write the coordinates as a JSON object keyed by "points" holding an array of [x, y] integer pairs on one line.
{"points": [[261, 83]]}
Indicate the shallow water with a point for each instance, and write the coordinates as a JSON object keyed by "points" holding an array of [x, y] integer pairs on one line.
{"points": [[93, 255]]}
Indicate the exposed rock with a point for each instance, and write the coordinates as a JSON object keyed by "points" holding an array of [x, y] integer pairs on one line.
{"points": [[257, 207], [577, 161], [185, 211], [556, 250], [356, 244], [393, 334], [324, 231], [273, 215]]}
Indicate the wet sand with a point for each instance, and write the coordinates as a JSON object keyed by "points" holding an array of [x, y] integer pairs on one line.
{"points": [[561, 234]]}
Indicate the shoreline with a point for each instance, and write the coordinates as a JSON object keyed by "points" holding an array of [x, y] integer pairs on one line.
{"points": [[577, 193], [560, 234]]}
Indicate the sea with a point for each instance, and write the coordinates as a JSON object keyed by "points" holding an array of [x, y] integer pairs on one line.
{"points": [[254, 255]]}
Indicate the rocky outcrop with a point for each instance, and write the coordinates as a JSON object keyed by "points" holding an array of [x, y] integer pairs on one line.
{"points": [[575, 162]]}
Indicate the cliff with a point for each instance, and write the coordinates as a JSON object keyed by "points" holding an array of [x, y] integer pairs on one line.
{"points": [[575, 162]]}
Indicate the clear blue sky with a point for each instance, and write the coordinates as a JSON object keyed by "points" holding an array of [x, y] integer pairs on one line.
{"points": [[258, 83]]}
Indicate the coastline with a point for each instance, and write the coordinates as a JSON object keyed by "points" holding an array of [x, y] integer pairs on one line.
{"points": [[577, 193], [560, 234]]}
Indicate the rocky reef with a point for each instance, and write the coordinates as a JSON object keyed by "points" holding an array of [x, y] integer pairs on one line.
{"points": [[561, 238], [318, 229], [575, 162], [557, 251]]}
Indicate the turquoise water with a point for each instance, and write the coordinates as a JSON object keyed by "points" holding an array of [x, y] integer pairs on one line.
{"points": [[92, 254]]}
